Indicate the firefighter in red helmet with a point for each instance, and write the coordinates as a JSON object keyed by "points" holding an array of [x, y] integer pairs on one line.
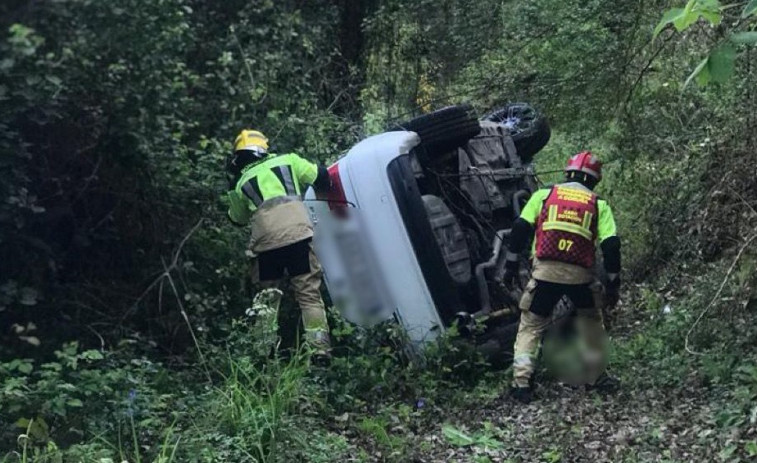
{"points": [[569, 222]]}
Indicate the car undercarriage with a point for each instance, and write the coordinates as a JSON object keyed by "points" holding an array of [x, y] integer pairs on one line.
{"points": [[473, 178]]}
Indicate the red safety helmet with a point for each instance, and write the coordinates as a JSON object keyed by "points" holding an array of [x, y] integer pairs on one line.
{"points": [[587, 163]]}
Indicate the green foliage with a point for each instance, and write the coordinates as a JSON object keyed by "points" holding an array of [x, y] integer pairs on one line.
{"points": [[110, 153], [719, 65], [485, 439], [136, 410], [116, 117], [553, 455], [376, 428], [656, 357], [744, 38], [750, 9], [254, 402], [258, 408], [683, 18], [85, 393], [54, 389]]}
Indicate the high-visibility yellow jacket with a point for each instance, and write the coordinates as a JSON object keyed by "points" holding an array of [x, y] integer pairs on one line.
{"points": [[268, 195]]}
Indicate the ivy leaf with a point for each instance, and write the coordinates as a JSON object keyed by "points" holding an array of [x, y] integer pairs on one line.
{"points": [[33, 340], [54, 80], [669, 17], [25, 368], [23, 423], [714, 17], [744, 37], [722, 62], [688, 17], [711, 10], [92, 355], [456, 437], [750, 9], [488, 442], [74, 403], [683, 18], [37, 428], [701, 73], [727, 452], [718, 67]]}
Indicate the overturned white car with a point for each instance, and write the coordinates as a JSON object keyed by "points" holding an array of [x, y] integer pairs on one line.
{"points": [[418, 218]]}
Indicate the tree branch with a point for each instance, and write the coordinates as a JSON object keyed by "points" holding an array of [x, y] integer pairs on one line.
{"points": [[717, 294], [166, 271]]}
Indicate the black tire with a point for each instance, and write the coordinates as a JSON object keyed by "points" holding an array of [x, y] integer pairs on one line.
{"points": [[443, 130], [528, 127], [496, 346]]}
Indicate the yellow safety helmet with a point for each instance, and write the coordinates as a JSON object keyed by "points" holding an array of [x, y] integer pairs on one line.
{"points": [[251, 140]]}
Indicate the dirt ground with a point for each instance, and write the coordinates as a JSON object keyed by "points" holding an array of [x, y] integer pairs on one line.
{"points": [[678, 419]]}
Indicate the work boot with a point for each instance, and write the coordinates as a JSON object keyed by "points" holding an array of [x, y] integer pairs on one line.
{"points": [[523, 395], [605, 384], [320, 348], [321, 359]]}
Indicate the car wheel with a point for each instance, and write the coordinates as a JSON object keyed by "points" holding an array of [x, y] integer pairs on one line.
{"points": [[496, 346], [528, 127], [443, 130], [450, 239]]}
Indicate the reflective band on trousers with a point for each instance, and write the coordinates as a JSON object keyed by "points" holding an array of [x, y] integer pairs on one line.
{"points": [[522, 360]]}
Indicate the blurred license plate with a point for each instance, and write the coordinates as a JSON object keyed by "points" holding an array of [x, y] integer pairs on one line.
{"points": [[360, 273]]}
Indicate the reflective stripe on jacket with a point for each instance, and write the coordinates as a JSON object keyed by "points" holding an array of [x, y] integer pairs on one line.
{"points": [[275, 176], [268, 196], [560, 272], [567, 226], [605, 221]]}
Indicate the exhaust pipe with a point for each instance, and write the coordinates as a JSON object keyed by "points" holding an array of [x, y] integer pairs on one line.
{"points": [[483, 286], [516, 201]]}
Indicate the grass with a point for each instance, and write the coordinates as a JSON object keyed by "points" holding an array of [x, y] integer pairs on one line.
{"points": [[267, 409], [254, 400]]}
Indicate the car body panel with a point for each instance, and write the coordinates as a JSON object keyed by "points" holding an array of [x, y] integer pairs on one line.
{"points": [[370, 266]]}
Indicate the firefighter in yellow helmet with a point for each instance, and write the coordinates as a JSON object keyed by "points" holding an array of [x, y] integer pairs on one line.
{"points": [[266, 191]]}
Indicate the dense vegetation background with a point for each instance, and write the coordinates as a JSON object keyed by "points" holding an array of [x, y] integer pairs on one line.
{"points": [[122, 286]]}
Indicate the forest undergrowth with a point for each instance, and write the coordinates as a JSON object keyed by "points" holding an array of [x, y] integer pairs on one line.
{"points": [[370, 404], [124, 335], [683, 344]]}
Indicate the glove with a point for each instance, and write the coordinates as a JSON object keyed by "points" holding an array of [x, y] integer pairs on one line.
{"points": [[612, 292], [323, 183]]}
